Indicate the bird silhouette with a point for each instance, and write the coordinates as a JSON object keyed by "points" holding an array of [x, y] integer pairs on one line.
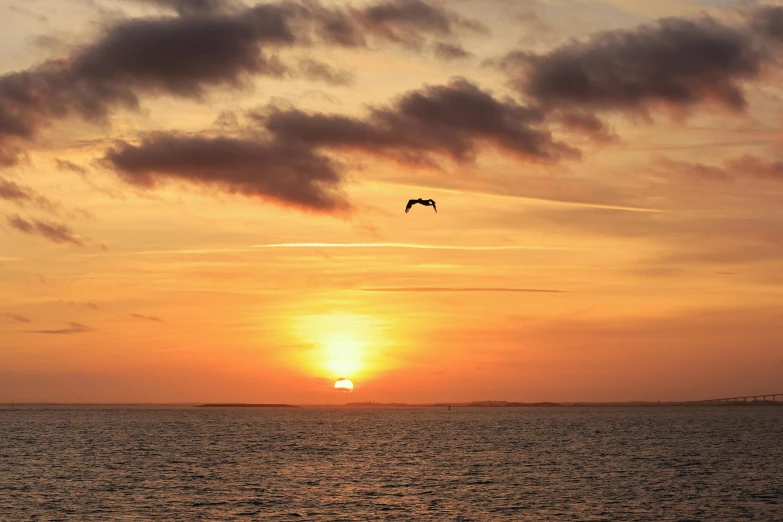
{"points": [[425, 202]]}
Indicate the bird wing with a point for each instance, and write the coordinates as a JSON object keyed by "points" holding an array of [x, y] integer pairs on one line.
{"points": [[409, 205]]}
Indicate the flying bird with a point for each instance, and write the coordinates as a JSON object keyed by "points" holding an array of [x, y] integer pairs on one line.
{"points": [[425, 202]]}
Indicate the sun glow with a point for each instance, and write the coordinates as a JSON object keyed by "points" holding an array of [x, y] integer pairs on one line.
{"points": [[343, 343]]}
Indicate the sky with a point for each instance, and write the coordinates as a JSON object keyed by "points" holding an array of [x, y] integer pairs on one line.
{"points": [[203, 200]]}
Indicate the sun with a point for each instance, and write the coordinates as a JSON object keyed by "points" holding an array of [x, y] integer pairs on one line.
{"points": [[343, 385]]}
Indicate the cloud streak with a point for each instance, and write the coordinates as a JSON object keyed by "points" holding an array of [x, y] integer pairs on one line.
{"points": [[18, 318], [148, 318], [430, 289], [73, 328], [54, 232], [23, 196]]}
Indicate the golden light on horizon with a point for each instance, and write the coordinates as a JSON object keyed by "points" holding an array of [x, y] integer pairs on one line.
{"points": [[343, 385]]}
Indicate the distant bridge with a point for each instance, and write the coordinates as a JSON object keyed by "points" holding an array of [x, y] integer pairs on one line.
{"points": [[751, 398]]}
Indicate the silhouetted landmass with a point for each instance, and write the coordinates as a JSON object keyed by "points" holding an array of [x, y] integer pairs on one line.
{"points": [[507, 404], [241, 405]]}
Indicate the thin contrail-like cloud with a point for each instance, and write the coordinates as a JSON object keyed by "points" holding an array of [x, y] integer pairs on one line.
{"points": [[416, 246], [432, 289], [553, 201], [408, 245]]}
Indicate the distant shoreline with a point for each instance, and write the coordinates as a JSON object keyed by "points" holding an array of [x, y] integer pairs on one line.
{"points": [[243, 405], [476, 404]]}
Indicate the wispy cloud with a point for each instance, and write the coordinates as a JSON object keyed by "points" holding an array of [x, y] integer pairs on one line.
{"points": [[18, 318], [554, 201], [73, 328], [409, 245], [148, 318], [434, 289], [54, 232]]}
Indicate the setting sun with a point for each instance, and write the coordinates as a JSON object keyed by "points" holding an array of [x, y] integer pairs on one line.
{"points": [[343, 385]]}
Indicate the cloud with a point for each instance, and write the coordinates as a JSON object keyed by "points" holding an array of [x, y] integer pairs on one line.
{"points": [[23, 196], [73, 328], [18, 318], [148, 318], [673, 63], [768, 20], [173, 56], [452, 120], [447, 51], [323, 72], [742, 167], [196, 7], [288, 174], [87, 304], [284, 157], [405, 21], [426, 289], [587, 124], [54, 232], [70, 166], [212, 44]]}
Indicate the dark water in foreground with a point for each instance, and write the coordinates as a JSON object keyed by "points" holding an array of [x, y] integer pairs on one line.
{"points": [[386, 464]]}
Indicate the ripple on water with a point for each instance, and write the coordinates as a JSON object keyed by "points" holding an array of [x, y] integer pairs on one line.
{"points": [[391, 464]]}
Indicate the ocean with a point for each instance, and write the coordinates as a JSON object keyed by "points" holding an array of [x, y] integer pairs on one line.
{"points": [[342, 464]]}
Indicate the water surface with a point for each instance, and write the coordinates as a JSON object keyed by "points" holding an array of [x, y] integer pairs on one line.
{"points": [[101, 463]]}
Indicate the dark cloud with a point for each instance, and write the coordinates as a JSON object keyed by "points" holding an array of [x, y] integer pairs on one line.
{"points": [[196, 7], [290, 174], [148, 318], [25, 196], [70, 166], [428, 289], [323, 72], [18, 318], [447, 51], [743, 167], [406, 21], [54, 232], [73, 328], [755, 166], [676, 63], [285, 159], [174, 56], [768, 20], [452, 120], [213, 44], [587, 124]]}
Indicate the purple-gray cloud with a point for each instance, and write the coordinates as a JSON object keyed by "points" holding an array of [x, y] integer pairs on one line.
{"points": [[284, 173], [673, 63], [452, 120], [23, 196], [54, 232], [18, 318], [148, 318], [285, 160], [213, 44], [73, 328]]}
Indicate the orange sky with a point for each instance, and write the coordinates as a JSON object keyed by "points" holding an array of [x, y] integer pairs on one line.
{"points": [[185, 231]]}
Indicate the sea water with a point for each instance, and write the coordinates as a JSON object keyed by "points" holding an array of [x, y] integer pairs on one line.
{"points": [[188, 463]]}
